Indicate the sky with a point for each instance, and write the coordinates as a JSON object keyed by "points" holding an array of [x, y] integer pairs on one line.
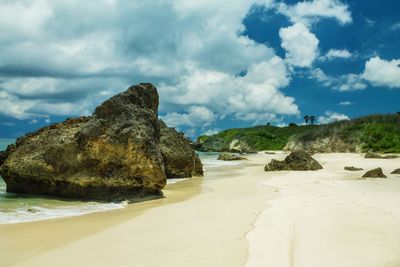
{"points": [[216, 64]]}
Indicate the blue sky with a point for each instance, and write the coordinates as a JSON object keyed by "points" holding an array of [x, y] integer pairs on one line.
{"points": [[217, 64]]}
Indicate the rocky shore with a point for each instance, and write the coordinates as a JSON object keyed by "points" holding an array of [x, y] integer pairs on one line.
{"points": [[114, 154]]}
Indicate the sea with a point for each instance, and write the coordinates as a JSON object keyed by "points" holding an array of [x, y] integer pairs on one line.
{"points": [[18, 208]]}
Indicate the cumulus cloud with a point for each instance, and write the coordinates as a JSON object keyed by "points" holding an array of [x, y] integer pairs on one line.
{"points": [[300, 44], [52, 63], [330, 117], [345, 82], [382, 72], [311, 11], [335, 53], [395, 27], [197, 115]]}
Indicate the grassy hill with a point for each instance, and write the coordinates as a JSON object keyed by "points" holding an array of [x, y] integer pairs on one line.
{"points": [[380, 133], [255, 138]]}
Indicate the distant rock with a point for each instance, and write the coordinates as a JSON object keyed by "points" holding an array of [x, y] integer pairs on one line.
{"points": [[112, 155], [396, 171], [391, 157], [230, 157], [269, 153], [298, 160], [371, 155], [375, 173], [180, 160], [351, 168]]}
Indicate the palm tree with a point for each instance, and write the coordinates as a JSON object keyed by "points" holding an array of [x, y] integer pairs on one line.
{"points": [[312, 119], [306, 118]]}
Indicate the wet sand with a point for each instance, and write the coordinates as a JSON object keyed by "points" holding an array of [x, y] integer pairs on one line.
{"points": [[234, 216]]}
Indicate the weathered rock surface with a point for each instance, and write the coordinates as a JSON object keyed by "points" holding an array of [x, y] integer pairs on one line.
{"points": [[230, 157], [396, 171], [351, 168], [110, 156], [326, 144], [371, 155], [180, 160], [391, 157], [375, 173], [298, 160]]}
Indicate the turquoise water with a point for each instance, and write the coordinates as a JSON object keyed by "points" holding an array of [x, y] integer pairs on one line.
{"points": [[16, 208]]}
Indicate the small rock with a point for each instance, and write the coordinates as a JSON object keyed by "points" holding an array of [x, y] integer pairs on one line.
{"points": [[391, 157], [396, 171], [269, 153], [298, 160], [371, 155], [230, 157], [351, 168], [375, 173], [32, 210]]}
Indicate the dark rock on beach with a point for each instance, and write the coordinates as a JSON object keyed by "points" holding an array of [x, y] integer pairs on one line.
{"points": [[375, 173], [351, 168], [298, 160], [371, 155], [230, 157], [112, 155], [396, 171], [180, 160]]}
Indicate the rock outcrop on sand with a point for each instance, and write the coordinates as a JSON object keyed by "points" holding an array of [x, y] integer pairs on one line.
{"points": [[371, 155], [180, 160], [375, 173], [396, 171], [110, 156], [352, 169], [230, 157], [298, 160]]}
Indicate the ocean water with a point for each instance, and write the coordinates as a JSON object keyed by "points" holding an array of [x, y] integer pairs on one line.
{"points": [[17, 208]]}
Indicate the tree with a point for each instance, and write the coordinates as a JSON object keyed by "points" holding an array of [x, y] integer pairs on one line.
{"points": [[306, 118], [312, 119]]}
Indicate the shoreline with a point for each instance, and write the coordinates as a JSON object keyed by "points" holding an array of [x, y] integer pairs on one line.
{"points": [[233, 216], [182, 226]]}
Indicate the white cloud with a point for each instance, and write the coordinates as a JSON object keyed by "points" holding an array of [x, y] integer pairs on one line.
{"points": [[335, 53], [197, 115], [311, 11], [300, 44], [345, 82], [34, 121], [345, 103], [382, 72], [210, 132], [330, 117], [395, 27]]}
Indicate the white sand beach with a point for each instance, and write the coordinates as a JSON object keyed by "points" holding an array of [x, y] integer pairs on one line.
{"points": [[234, 216]]}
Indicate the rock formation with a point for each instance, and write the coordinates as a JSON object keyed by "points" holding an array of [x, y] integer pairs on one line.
{"points": [[298, 160], [110, 156], [351, 168], [396, 171], [229, 157], [180, 160], [375, 173], [371, 155]]}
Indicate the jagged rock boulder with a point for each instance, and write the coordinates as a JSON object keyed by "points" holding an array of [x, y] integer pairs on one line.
{"points": [[396, 171], [298, 160], [352, 169], [230, 157], [375, 173], [180, 160], [110, 156]]}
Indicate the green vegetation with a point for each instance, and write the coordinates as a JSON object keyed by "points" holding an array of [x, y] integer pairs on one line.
{"points": [[256, 138], [379, 133]]}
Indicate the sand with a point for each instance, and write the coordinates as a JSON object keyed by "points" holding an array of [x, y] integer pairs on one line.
{"points": [[234, 216]]}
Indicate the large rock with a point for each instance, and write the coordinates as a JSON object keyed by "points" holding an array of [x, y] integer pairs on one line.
{"points": [[371, 155], [298, 160], [375, 173], [110, 156], [230, 157], [179, 157]]}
